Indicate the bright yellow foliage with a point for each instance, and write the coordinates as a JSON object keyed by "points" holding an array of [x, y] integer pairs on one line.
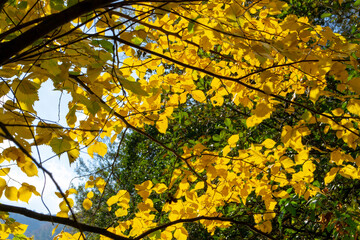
{"points": [[129, 65]]}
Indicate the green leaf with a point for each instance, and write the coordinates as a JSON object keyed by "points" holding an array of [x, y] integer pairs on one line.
{"points": [[290, 209], [20, 237], [155, 235], [133, 86], [357, 3], [316, 183], [57, 5], [216, 137], [60, 145], [325, 15], [137, 40], [92, 106], [52, 66], [22, 5], [71, 2], [357, 35], [27, 93], [108, 46], [191, 27], [227, 122], [139, 27]]}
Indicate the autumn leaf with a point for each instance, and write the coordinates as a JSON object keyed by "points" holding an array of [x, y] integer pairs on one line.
{"points": [[60, 145], [269, 143], [11, 193], [219, 111], [133, 86], [233, 140], [98, 147], [330, 176], [87, 203], [198, 95], [162, 124]]}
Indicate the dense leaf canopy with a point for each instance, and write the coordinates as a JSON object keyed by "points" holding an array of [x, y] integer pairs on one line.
{"points": [[246, 117]]}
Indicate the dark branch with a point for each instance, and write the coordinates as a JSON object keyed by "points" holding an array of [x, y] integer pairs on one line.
{"points": [[14, 46], [65, 221], [223, 219]]}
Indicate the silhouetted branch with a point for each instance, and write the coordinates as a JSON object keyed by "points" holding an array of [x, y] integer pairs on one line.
{"points": [[54, 219]]}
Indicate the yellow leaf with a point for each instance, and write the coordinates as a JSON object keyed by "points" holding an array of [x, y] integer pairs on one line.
{"points": [[146, 205], [261, 112], [121, 212], [112, 200], [330, 176], [281, 194], [24, 193], [268, 143], [78, 236], [198, 95], [2, 186], [205, 43], [11, 193], [336, 157], [314, 94], [199, 185], [144, 194], [257, 218], [4, 171], [63, 214], [354, 106], [270, 205], [144, 186], [217, 100], [64, 207], [98, 147], [233, 140], [121, 196], [89, 184], [71, 191], [30, 169], [226, 150], [100, 184], [181, 234], [266, 227], [355, 84], [166, 235], [73, 154], [87, 203], [287, 162], [349, 171], [162, 124], [90, 195], [54, 229], [58, 194], [19, 229], [160, 188], [309, 167]]}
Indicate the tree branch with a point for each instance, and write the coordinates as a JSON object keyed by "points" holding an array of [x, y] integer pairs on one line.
{"points": [[223, 219], [65, 221], [14, 46], [54, 21]]}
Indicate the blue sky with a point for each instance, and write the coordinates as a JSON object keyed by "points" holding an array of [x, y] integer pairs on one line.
{"points": [[50, 107]]}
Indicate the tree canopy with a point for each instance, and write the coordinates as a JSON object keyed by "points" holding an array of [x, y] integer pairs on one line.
{"points": [[246, 114]]}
